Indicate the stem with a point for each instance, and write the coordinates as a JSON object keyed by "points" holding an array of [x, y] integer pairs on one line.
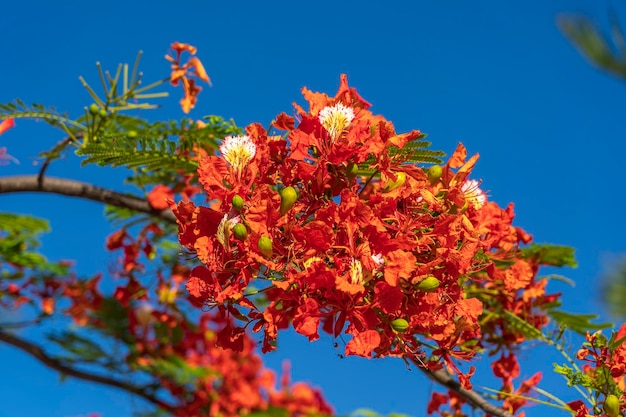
{"points": [[32, 183], [36, 352], [443, 378]]}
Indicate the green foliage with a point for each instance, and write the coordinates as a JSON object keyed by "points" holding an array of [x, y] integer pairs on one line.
{"points": [[614, 287], [414, 152], [19, 236], [553, 255], [176, 369], [579, 323], [605, 52], [18, 109], [157, 152]]}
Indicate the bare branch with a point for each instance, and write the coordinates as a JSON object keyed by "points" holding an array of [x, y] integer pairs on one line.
{"points": [[40, 355], [32, 183], [473, 398]]}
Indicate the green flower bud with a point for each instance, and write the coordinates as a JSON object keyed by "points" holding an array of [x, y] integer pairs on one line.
{"points": [[288, 197], [237, 202], [392, 185], [103, 113], [434, 174], [400, 325], [429, 284], [94, 109], [612, 406], [265, 246], [132, 133], [240, 231]]}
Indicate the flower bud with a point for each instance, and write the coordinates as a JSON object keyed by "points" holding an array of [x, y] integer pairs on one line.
{"points": [[265, 246], [400, 325], [429, 284], [240, 232], [392, 185], [434, 174], [612, 406], [237, 202], [94, 109], [288, 197]]}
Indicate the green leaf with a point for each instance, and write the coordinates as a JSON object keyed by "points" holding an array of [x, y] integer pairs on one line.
{"points": [[553, 255], [579, 323]]}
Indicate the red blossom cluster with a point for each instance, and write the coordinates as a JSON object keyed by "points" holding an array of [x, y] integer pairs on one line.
{"points": [[605, 368], [215, 381], [336, 227]]}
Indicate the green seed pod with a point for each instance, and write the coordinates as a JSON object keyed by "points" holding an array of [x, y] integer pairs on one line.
{"points": [[288, 197], [237, 202], [103, 113], [400, 325], [434, 174], [612, 406], [429, 284], [265, 246], [240, 231], [392, 185], [94, 109]]}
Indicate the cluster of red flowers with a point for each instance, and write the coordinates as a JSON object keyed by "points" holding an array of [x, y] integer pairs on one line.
{"points": [[207, 379], [336, 227], [605, 371]]}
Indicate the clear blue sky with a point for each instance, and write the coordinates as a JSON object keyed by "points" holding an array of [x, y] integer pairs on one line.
{"points": [[497, 76]]}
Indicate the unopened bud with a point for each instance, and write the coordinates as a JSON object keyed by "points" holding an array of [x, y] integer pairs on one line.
{"points": [[288, 197], [237, 202], [392, 185], [400, 325], [265, 246], [434, 174], [429, 284], [240, 232]]}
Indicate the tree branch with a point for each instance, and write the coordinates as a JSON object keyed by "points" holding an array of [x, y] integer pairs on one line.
{"points": [[473, 398], [32, 183], [40, 355]]}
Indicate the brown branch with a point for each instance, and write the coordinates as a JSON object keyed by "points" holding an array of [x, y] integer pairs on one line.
{"points": [[473, 398], [53, 363], [32, 183]]}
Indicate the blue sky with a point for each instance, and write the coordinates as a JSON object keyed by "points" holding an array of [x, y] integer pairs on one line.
{"points": [[497, 76]]}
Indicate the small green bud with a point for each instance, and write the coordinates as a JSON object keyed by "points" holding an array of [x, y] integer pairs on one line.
{"points": [[103, 113], [392, 185], [240, 231], [288, 197], [265, 246], [400, 325], [132, 134], [612, 406], [429, 284], [237, 202], [434, 174], [94, 109]]}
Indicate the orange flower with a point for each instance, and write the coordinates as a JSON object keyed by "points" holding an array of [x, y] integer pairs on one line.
{"points": [[6, 124], [183, 73]]}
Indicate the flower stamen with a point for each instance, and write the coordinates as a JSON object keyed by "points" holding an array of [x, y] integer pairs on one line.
{"points": [[336, 119], [238, 151]]}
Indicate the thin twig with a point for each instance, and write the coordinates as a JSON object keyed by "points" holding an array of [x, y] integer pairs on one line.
{"points": [[473, 398], [32, 183], [53, 363]]}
